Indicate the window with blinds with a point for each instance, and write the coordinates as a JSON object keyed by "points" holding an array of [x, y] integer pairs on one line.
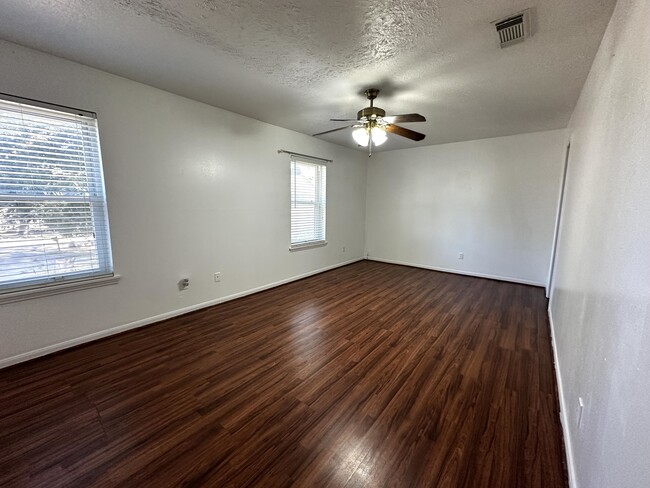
{"points": [[308, 203], [53, 220]]}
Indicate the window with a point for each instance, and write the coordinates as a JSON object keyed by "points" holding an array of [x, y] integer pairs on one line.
{"points": [[53, 220], [307, 203]]}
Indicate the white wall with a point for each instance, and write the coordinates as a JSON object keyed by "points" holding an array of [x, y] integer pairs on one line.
{"points": [[495, 200], [191, 190], [600, 304]]}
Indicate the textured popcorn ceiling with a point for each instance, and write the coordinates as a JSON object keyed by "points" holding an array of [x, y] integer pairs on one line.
{"points": [[297, 63], [294, 42]]}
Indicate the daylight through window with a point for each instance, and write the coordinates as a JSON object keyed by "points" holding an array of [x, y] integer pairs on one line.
{"points": [[53, 220], [308, 203]]}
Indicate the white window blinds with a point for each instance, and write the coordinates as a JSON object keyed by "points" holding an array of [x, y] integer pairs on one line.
{"points": [[308, 203], [53, 220]]}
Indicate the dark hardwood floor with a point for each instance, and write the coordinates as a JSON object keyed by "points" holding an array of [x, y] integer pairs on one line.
{"points": [[371, 375]]}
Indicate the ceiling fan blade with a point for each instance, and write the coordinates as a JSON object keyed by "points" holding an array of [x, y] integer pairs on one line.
{"points": [[333, 130], [408, 133], [401, 119], [343, 120]]}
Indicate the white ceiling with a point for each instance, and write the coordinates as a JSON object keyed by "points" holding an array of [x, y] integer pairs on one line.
{"points": [[297, 63]]}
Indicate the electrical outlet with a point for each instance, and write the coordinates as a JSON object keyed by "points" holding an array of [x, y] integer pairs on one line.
{"points": [[217, 277], [461, 255]]}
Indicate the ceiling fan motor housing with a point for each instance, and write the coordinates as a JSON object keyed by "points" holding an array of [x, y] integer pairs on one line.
{"points": [[370, 113]]}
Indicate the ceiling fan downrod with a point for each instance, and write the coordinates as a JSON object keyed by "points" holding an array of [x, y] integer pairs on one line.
{"points": [[371, 112]]}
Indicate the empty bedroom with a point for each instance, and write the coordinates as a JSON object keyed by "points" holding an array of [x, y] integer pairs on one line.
{"points": [[361, 244]]}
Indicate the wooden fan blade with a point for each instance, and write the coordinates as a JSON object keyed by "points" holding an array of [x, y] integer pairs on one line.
{"points": [[408, 133], [343, 120], [333, 130], [401, 119]]}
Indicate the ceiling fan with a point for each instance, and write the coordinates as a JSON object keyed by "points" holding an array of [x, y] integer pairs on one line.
{"points": [[372, 124]]}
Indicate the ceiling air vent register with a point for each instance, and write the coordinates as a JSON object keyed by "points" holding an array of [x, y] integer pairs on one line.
{"points": [[514, 28]]}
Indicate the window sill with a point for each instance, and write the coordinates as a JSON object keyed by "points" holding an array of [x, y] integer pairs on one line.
{"points": [[56, 289], [307, 245]]}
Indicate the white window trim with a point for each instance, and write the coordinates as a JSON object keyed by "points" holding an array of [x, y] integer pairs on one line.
{"points": [[299, 246], [66, 283], [41, 290], [307, 245]]}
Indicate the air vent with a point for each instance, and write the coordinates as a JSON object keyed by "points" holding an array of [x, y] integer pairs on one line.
{"points": [[513, 29]]}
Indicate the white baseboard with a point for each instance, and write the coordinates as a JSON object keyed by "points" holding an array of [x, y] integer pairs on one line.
{"points": [[457, 271], [573, 482], [26, 356]]}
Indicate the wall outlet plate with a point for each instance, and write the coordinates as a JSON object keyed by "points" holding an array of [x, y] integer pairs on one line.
{"points": [[217, 277]]}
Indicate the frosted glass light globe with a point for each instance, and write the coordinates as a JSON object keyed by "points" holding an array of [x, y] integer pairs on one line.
{"points": [[378, 136], [361, 136]]}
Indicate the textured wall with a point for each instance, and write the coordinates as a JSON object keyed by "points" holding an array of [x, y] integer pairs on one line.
{"points": [[600, 303], [191, 190], [495, 200]]}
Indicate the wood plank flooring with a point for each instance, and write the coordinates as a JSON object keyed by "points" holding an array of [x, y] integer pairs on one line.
{"points": [[371, 375]]}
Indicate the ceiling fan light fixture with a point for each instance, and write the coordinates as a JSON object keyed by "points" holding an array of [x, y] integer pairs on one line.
{"points": [[361, 136], [378, 135], [371, 126]]}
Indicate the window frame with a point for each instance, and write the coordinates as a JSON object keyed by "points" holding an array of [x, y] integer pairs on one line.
{"points": [[320, 202], [101, 275]]}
